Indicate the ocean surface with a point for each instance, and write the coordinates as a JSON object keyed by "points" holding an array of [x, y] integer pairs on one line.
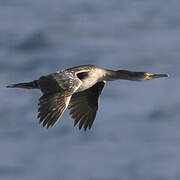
{"points": [[136, 133]]}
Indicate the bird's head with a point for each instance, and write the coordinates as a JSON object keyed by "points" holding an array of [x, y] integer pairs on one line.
{"points": [[141, 76], [132, 75], [150, 76]]}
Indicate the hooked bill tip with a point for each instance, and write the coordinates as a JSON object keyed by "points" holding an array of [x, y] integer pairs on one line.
{"points": [[149, 76], [161, 75]]}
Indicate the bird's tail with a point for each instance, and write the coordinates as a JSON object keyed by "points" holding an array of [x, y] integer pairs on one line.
{"points": [[27, 85]]}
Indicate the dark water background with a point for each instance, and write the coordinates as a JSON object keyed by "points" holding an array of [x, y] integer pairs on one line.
{"points": [[136, 134]]}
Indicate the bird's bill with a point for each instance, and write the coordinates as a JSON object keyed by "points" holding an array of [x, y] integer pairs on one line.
{"points": [[149, 76]]}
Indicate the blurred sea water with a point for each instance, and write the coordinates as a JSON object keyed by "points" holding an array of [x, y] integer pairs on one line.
{"points": [[136, 134]]}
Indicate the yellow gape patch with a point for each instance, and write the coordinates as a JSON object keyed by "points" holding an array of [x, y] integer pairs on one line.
{"points": [[148, 76]]}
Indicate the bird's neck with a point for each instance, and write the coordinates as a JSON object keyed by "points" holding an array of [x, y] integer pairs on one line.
{"points": [[121, 74]]}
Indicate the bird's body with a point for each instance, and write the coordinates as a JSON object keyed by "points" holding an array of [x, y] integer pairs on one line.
{"points": [[88, 74], [78, 89]]}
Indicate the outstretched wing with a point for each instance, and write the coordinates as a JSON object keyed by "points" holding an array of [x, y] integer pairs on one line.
{"points": [[57, 91], [84, 105], [51, 108]]}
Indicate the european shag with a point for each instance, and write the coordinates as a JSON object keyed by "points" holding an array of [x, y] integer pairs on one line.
{"points": [[77, 89]]}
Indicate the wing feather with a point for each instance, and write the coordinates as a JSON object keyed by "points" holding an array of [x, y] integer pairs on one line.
{"points": [[57, 91], [51, 111], [84, 105]]}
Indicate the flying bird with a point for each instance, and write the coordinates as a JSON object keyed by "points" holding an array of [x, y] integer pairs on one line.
{"points": [[77, 89]]}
